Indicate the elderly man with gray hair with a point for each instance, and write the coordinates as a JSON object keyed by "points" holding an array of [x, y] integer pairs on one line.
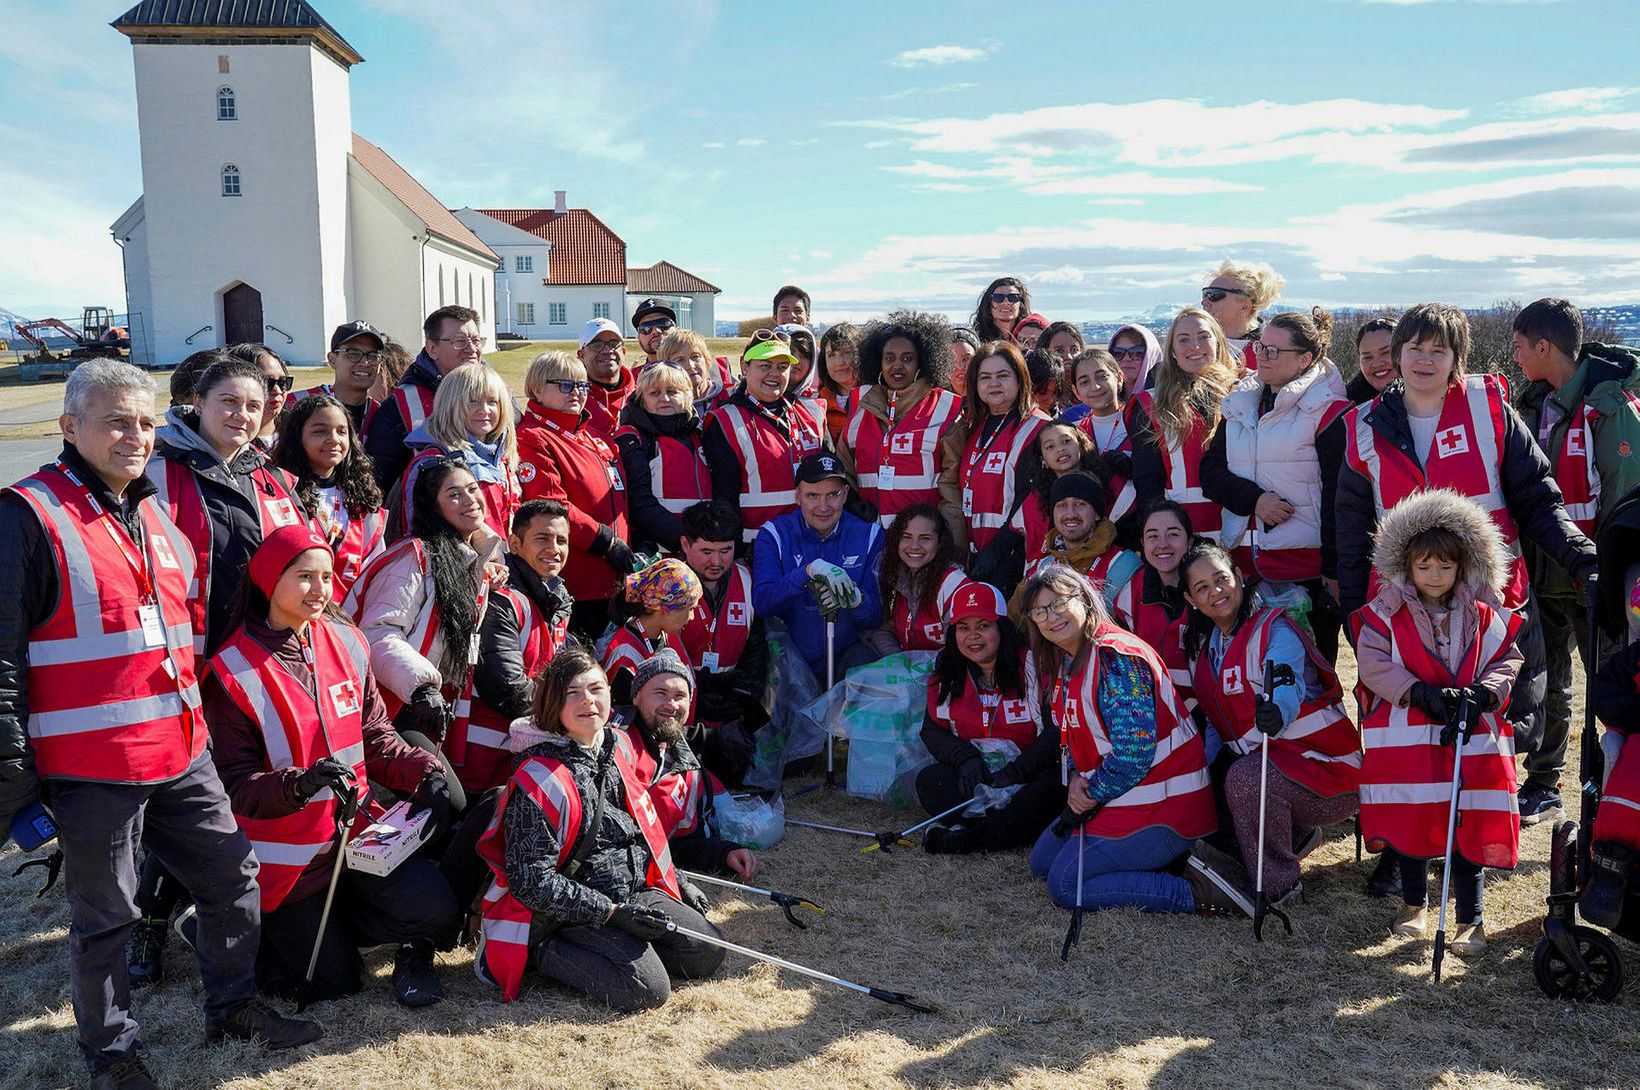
{"points": [[100, 720]]}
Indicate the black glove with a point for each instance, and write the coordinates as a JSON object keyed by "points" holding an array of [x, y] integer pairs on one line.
{"points": [[1119, 463], [1267, 717], [621, 557], [645, 924], [325, 772], [432, 795], [1006, 776], [1428, 699], [692, 896], [426, 712], [1481, 697], [1455, 708], [970, 774]]}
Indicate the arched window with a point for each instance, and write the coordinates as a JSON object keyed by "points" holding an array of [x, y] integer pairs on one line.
{"points": [[230, 181], [226, 110]]}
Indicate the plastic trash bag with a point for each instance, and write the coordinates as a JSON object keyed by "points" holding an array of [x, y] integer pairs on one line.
{"points": [[998, 752], [987, 797], [752, 821], [880, 711], [787, 736], [1290, 598]]}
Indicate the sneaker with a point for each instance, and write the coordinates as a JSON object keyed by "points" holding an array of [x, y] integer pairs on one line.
{"points": [[415, 981], [1309, 842], [145, 953], [1385, 880], [1410, 922], [1470, 939], [1215, 895], [958, 840], [1539, 803], [254, 1020], [186, 925], [127, 1074]]}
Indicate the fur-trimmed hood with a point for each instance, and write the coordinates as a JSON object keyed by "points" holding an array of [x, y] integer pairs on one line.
{"points": [[1486, 562]]}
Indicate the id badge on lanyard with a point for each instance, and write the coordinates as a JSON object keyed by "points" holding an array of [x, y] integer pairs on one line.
{"points": [[153, 626]]}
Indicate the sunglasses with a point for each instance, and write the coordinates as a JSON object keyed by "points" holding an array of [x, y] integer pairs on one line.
{"points": [[1007, 297], [283, 385], [572, 386], [662, 324], [760, 335], [1213, 295], [1136, 354]]}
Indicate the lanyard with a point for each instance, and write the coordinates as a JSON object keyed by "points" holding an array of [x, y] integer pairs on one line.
{"points": [[129, 549], [989, 702], [985, 441]]}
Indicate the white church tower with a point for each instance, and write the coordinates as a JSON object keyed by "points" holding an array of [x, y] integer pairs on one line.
{"points": [[263, 216]]}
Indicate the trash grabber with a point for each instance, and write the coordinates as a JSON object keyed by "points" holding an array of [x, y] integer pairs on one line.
{"points": [[887, 840], [831, 679], [1451, 834], [346, 807], [1276, 674], [1073, 934], [787, 901], [898, 998], [831, 828]]}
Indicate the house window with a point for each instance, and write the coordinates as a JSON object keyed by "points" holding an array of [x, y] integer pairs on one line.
{"points": [[230, 181], [600, 310], [523, 263], [226, 109], [526, 313], [556, 314]]}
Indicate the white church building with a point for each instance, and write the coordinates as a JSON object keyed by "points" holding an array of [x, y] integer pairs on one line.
{"points": [[263, 216]]}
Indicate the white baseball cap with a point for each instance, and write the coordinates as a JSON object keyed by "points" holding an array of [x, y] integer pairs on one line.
{"points": [[597, 326]]}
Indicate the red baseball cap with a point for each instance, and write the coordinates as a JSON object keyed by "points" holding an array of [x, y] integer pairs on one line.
{"points": [[974, 599]]}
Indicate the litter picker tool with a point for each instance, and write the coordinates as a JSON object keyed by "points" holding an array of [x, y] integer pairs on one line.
{"points": [[1276, 674], [1073, 934], [831, 668], [891, 839], [900, 999], [1464, 711], [786, 901], [347, 806], [832, 828]]}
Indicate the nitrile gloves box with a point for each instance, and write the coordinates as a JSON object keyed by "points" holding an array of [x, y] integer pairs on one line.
{"points": [[383, 845]]}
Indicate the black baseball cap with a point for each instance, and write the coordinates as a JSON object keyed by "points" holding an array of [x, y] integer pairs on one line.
{"points": [[652, 306], [820, 466], [348, 330]]}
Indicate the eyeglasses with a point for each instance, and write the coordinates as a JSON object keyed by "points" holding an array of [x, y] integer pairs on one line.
{"points": [[1136, 353], [462, 342], [1059, 607], [567, 386], [1007, 297], [1271, 352], [355, 355], [760, 335], [1213, 295], [661, 324]]}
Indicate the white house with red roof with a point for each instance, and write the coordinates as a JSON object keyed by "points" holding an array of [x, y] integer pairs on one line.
{"points": [[263, 216], [563, 266]]}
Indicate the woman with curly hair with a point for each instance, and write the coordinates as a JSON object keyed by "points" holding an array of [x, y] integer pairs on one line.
{"points": [[318, 446], [838, 374], [891, 444], [919, 575], [1234, 296], [1000, 308], [1173, 423]]}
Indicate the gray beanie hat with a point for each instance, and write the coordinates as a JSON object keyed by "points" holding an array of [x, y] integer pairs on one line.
{"points": [[664, 661]]}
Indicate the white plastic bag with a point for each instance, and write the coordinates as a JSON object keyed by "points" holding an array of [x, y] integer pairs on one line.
{"points": [[880, 712], [752, 821], [787, 736]]}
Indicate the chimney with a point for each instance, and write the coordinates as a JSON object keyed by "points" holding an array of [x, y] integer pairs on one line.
{"points": [[560, 203]]}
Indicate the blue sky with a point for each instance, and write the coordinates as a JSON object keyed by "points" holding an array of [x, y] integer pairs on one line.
{"points": [[887, 154]]}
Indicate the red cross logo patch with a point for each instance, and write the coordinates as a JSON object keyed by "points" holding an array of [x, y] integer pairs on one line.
{"points": [[1451, 441], [994, 461], [281, 512], [1015, 711], [344, 697], [736, 614], [901, 444], [1231, 678], [1575, 444], [526, 472], [163, 556]]}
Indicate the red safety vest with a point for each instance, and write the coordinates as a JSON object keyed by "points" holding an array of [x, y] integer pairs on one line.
{"points": [[1467, 456], [179, 495], [1032, 523], [901, 466], [329, 390], [678, 474], [925, 629], [112, 686], [768, 452], [986, 474], [476, 743], [501, 498], [628, 649], [1098, 572], [547, 783], [297, 731], [1575, 469], [1181, 467], [1406, 775], [362, 540], [977, 713], [680, 797], [415, 405], [1165, 635], [1320, 749], [1618, 817], [1120, 495], [721, 634], [1177, 791]]}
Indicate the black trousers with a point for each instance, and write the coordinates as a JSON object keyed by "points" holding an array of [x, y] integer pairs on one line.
{"points": [[1017, 824], [414, 902], [625, 972], [1565, 630]]}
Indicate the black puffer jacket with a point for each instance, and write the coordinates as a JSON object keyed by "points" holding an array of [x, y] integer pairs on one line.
{"points": [[499, 676], [638, 441], [384, 442], [612, 869], [699, 850]]}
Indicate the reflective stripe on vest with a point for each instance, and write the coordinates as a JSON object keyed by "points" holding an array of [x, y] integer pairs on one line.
{"points": [[1181, 467], [987, 479], [768, 460], [724, 633], [901, 466]]}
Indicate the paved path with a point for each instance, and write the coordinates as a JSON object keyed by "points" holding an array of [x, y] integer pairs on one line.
{"points": [[20, 457]]}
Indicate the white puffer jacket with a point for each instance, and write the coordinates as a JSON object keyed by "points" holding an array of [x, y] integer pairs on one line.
{"points": [[1277, 452]]}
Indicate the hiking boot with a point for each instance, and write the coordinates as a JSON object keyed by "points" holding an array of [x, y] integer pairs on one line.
{"points": [[1610, 867], [958, 840], [127, 1074], [145, 952], [1215, 894], [415, 981], [186, 925], [1470, 939], [1307, 843], [1385, 880], [254, 1020], [1539, 803], [1410, 922]]}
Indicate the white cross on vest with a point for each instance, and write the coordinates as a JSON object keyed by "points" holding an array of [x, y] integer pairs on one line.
{"points": [[1453, 440], [1574, 442]]}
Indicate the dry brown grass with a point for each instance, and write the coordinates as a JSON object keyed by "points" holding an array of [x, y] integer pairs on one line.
{"points": [[1146, 1001]]}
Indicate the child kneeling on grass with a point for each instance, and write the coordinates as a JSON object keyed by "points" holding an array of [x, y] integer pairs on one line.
{"points": [[1438, 653]]}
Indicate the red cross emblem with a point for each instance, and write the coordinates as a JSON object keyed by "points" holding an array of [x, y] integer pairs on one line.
{"points": [[526, 472], [163, 556], [344, 696], [281, 512], [1231, 678], [994, 461], [901, 444], [1453, 440], [1574, 442], [737, 614], [1015, 711]]}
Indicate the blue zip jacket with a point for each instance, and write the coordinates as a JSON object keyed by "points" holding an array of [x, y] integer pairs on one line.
{"points": [[780, 585]]}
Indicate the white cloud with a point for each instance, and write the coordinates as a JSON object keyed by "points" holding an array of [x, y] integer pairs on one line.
{"points": [[944, 88], [935, 55], [750, 142], [714, 144], [1577, 99]]}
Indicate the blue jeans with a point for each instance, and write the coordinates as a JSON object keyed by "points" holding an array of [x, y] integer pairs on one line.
{"points": [[1116, 873]]}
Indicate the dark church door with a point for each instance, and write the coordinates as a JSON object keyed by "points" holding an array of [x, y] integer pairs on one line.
{"points": [[241, 314]]}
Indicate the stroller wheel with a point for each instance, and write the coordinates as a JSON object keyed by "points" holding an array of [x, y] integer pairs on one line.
{"points": [[1557, 980], [1563, 858]]}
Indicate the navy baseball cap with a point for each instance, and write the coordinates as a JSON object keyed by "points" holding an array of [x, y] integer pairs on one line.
{"points": [[348, 330]]}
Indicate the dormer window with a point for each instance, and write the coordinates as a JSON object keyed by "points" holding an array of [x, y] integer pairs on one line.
{"points": [[226, 109], [230, 181]]}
